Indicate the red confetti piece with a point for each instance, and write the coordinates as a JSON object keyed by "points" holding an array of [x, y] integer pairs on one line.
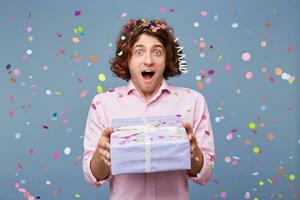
{"points": [[204, 117], [77, 12], [211, 72], [94, 106], [289, 49], [21, 166], [45, 127], [11, 113], [207, 132]]}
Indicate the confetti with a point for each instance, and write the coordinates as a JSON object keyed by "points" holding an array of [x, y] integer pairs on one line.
{"points": [[77, 12], [75, 40], [249, 75], [67, 150], [124, 15], [256, 150], [234, 25], [55, 155], [99, 89], [246, 56], [101, 77]]}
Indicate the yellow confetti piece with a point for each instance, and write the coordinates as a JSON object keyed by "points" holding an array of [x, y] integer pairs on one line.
{"points": [[99, 89], [58, 93], [252, 125], [256, 150], [101, 77], [261, 183], [292, 177], [270, 181], [77, 196]]}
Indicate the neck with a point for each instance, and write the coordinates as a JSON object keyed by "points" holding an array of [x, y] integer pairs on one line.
{"points": [[147, 95]]}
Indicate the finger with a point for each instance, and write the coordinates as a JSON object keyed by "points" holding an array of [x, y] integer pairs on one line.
{"points": [[106, 133], [188, 127], [105, 144], [107, 162]]}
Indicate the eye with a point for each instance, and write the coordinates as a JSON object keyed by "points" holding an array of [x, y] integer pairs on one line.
{"points": [[157, 52], [138, 52]]}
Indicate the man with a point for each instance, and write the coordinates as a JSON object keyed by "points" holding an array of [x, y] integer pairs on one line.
{"points": [[146, 56]]}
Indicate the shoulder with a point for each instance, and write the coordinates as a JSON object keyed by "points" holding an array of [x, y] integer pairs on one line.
{"points": [[109, 94], [187, 93]]}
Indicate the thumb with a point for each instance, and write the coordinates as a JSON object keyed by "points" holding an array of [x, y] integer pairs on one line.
{"points": [[107, 132]]}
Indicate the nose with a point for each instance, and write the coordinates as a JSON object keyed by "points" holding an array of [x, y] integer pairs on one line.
{"points": [[148, 59]]}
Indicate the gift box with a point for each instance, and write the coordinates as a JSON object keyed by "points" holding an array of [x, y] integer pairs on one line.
{"points": [[149, 144]]}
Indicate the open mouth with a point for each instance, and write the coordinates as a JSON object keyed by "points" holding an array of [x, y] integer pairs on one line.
{"points": [[148, 75]]}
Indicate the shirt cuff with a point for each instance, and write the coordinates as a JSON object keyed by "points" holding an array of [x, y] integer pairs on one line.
{"points": [[89, 175], [205, 174]]}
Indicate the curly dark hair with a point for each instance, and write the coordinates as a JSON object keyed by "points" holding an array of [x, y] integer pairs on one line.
{"points": [[129, 35]]}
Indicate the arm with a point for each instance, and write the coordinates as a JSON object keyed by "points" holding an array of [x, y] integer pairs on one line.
{"points": [[94, 168], [202, 144]]}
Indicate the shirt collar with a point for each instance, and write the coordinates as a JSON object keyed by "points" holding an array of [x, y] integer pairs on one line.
{"points": [[164, 87]]}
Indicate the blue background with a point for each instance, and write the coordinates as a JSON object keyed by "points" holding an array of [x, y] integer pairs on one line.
{"points": [[28, 148]]}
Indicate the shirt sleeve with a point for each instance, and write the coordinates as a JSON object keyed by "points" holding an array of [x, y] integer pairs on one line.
{"points": [[93, 131], [205, 139]]}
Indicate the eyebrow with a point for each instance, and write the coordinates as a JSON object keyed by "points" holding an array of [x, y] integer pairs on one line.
{"points": [[141, 45]]}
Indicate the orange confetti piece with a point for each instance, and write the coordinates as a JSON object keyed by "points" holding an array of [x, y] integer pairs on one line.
{"points": [[83, 93], [13, 80], [93, 58], [200, 85]]}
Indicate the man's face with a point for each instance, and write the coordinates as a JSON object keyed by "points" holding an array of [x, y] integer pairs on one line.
{"points": [[147, 64]]}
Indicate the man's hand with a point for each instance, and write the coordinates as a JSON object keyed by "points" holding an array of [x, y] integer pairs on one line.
{"points": [[103, 146], [196, 154], [100, 163]]}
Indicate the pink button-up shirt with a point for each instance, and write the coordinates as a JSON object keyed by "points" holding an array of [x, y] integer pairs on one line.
{"points": [[126, 102]]}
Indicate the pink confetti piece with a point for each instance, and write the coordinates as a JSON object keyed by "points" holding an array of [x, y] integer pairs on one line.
{"points": [[163, 10], [22, 190], [203, 13], [26, 194], [17, 185], [249, 75], [227, 68], [204, 117], [58, 34], [56, 155], [30, 151]]}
